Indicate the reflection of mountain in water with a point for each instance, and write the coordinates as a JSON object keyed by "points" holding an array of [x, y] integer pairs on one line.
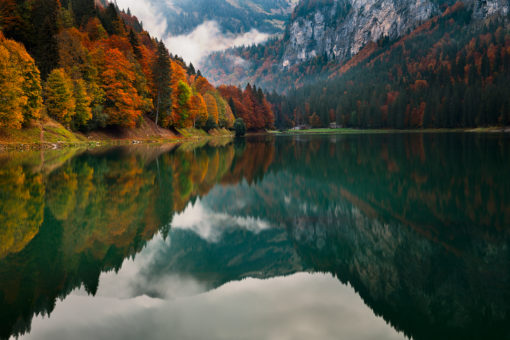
{"points": [[428, 253]]}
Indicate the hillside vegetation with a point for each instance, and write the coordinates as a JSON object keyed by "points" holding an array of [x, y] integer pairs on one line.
{"points": [[90, 67], [447, 73]]}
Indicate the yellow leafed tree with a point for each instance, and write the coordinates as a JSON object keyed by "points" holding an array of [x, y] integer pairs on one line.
{"points": [[20, 85], [83, 113], [198, 110], [212, 106], [58, 96], [178, 76]]}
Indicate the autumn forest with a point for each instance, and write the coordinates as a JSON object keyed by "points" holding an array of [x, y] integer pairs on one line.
{"points": [[89, 65]]}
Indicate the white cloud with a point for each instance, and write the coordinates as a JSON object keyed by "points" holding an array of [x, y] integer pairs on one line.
{"points": [[153, 21], [193, 47], [208, 38]]}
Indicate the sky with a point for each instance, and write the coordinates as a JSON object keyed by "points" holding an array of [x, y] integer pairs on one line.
{"points": [[195, 46]]}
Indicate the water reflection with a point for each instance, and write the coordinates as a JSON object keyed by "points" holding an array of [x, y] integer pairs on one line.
{"points": [[417, 224], [301, 306]]}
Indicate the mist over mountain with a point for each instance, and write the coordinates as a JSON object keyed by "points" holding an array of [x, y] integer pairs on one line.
{"points": [[233, 16], [195, 28]]}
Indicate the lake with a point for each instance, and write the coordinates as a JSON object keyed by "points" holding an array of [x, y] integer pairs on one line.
{"points": [[370, 236]]}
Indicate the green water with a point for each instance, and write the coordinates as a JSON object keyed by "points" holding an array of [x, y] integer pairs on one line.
{"points": [[277, 237]]}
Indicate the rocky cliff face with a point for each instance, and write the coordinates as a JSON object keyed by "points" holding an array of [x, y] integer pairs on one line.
{"points": [[338, 29]]}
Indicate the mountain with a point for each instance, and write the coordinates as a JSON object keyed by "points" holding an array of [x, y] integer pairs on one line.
{"points": [[382, 64], [233, 16], [332, 32]]}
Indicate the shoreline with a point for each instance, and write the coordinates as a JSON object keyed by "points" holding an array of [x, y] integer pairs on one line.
{"points": [[347, 131], [199, 135], [50, 135], [59, 145]]}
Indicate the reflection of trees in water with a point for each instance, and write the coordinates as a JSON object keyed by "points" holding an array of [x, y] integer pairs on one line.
{"points": [[406, 220], [61, 230], [418, 224], [426, 248], [21, 204], [455, 181]]}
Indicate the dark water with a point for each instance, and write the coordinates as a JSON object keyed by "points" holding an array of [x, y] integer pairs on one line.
{"points": [[308, 237]]}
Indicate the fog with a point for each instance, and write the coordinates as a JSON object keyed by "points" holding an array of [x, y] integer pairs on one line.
{"points": [[193, 47]]}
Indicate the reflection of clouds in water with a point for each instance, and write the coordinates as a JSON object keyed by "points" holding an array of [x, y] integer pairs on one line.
{"points": [[139, 276], [132, 281], [210, 225], [301, 306]]}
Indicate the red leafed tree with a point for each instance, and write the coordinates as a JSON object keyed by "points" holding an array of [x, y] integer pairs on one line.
{"points": [[123, 103], [202, 86], [250, 105]]}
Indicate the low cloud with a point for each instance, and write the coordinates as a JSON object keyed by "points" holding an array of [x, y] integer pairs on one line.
{"points": [[195, 46], [153, 21], [208, 38]]}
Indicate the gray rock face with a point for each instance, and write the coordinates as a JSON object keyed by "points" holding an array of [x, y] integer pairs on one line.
{"points": [[338, 29]]}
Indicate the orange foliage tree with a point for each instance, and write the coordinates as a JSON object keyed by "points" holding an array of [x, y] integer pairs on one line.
{"points": [[178, 77], [73, 55], [202, 86], [250, 105], [95, 30], [123, 103], [198, 110]]}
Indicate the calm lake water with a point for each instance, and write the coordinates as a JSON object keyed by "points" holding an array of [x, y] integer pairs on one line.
{"points": [[306, 237]]}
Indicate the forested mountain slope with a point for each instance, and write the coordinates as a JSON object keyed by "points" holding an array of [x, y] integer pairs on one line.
{"points": [[384, 64], [324, 34], [89, 65], [444, 74]]}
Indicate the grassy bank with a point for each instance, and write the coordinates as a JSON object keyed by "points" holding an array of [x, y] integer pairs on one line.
{"points": [[46, 134], [49, 134]]}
